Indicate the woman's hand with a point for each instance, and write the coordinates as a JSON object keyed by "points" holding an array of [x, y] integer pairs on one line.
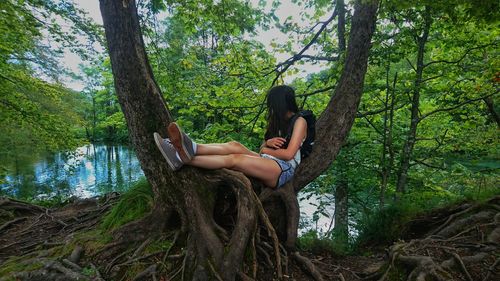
{"points": [[275, 143]]}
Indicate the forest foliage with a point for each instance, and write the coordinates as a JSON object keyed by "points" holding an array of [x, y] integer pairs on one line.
{"points": [[439, 61]]}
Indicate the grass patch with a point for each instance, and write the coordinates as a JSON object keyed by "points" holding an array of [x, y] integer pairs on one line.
{"points": [[132, 205]]}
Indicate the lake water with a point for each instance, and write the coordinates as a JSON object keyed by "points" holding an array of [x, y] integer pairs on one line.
{"points": [[91, 170], [98, 169]]}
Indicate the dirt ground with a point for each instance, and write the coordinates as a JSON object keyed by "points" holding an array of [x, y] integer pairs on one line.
{"points": [[38, 243]]}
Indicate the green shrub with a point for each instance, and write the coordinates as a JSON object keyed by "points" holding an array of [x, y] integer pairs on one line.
{"points": [[386, 225], [311, 242], [390, 223], [132, 205]]}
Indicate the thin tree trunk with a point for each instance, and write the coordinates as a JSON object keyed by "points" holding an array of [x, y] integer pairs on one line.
{"points": [[383, 161], [387, 147], [412, 132], [340, 224], [491, 109], [341, 227], [340, 6], [94, 118], [390, 145]]}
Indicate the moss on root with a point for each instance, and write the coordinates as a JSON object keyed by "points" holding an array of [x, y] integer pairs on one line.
{"points": [[158, 245], [92, 241], [6, 216], [14, 264]]}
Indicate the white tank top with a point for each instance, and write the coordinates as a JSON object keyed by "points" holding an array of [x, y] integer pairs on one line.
{"points": [[296, 159]]}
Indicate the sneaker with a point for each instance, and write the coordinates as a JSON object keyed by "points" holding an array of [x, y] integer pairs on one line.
{"points": [[182, 143], [168, 151]]}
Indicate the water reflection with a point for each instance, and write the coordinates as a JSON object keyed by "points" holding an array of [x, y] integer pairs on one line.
{"points": [[313, 218], [89, 171], [98, 169]]}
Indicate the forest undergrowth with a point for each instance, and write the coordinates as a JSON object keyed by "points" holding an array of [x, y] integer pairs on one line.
{"points": [[75, 242]]}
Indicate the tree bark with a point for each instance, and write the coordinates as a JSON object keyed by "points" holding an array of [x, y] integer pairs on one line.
{"points": [[411, 136]]}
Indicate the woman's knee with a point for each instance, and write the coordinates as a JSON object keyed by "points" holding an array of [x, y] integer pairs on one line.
{"points": [[233, 160], [235, 144]]}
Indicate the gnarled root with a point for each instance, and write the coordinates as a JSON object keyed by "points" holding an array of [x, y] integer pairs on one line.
{"points": [[308, 266], [464, 247]]}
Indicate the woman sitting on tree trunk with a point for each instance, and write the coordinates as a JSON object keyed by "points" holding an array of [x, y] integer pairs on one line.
{"points": [[279, 154]]}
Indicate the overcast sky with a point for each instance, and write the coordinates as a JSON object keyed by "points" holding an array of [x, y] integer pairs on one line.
{"points": [[286, 9]]}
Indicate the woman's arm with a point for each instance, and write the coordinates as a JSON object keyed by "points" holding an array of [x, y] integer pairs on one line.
{"points": [[298, 135]]}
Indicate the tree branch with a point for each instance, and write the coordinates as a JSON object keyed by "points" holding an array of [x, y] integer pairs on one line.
{"points": [[283, 66], [319, 58], [455, 106], [317, 92], [461, 57], [428, 165], [373, 126], [374, 112], [409, 62], [431, 78]]}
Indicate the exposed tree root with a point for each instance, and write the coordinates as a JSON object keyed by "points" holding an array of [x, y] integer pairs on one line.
{"points": [[148, 272], [308, 266], [9, 223], [464, 247], [43, 227]]}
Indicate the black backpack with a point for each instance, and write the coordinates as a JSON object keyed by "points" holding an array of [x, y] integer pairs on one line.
{"points": [[306, 148]]}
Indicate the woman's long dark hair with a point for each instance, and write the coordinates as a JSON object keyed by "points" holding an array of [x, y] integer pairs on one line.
{"points": [[280, 100]]}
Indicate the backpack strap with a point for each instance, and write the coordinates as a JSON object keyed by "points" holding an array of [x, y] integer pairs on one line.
{"points": [[293, 119], [292, 124]]}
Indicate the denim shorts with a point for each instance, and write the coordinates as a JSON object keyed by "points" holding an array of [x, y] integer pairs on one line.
{"points": [[287, 170]]}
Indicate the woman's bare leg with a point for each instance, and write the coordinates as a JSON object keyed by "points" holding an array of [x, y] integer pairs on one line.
{"points": [[232, 147], [266, 170]]}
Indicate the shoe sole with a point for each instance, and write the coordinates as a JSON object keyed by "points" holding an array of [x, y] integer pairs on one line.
{"points": [[158, 140], [175, 135]]}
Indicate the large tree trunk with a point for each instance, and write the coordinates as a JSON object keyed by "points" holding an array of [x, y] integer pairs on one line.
{"points": [[191, 196]]}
